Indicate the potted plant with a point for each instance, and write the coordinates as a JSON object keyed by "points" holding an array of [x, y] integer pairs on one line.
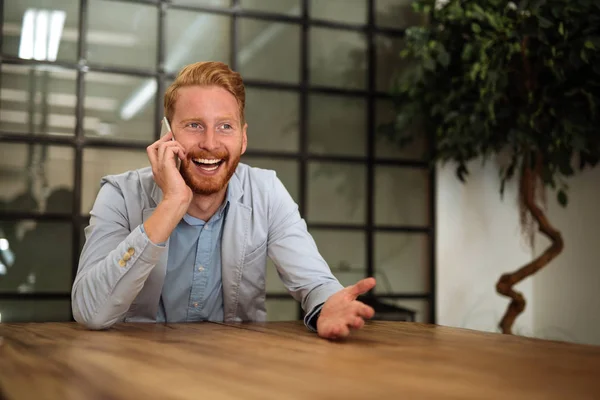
{"points": [[490, 77]]}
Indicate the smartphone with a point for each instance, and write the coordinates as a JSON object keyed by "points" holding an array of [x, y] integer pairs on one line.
{"points": [[164, 129]]}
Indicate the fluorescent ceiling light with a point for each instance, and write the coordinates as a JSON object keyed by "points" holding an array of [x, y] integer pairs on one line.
{"points": [[57, 21], [41, 33], [26, 46]]}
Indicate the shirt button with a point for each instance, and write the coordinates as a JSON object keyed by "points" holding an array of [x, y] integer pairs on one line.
{"points": [[201, 268], [195, 304]]}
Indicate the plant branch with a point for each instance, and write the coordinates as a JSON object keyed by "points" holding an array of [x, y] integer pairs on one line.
{"points": [[507, 281]]}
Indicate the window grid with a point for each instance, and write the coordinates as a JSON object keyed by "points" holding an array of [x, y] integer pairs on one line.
{"points": [[78, 142]]}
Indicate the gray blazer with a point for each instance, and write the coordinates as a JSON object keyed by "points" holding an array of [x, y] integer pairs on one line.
{"points": [[121, 272]]}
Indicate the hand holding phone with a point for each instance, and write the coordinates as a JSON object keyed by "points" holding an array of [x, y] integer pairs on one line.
{"points": [[164, 129]]}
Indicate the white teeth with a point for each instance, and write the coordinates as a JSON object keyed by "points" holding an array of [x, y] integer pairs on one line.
{"points": [[210, 168], [207, 161]]}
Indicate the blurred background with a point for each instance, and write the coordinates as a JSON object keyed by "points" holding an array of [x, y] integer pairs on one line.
{"points": [[82, 85], [81, 89]]}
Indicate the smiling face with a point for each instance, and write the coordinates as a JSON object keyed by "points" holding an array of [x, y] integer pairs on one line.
{"points": [[207, 123]]}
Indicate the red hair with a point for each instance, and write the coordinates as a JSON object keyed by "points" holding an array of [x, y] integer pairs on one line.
{"points": [[207, 73]]}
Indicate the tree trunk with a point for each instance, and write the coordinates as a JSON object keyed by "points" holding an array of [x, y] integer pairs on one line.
{"points": [[507, 281]]}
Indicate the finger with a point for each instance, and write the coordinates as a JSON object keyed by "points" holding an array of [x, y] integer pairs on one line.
{"points": [[361, 287], [364, 311], [330, 332], [342, 331], [168, 136], [165, 139], [166, 150], [152, 156], [357, 323], [171, 154], [152, 150]]}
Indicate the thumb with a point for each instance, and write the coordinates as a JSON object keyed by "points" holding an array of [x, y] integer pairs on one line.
{"points": [[361, 287]]}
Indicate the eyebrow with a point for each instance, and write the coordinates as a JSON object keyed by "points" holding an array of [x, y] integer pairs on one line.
{"points": [[221, 118]]}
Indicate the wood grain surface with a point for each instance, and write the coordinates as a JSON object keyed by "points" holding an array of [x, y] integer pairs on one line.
{"points": [[385, 360]]}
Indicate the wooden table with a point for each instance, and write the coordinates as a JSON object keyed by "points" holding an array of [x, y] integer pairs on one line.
{"points": [[385, 360]]}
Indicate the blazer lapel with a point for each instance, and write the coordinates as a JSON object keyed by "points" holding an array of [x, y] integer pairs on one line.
{"points": [[233, 248]]}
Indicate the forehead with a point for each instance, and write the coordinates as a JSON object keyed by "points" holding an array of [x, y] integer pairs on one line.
{"points": [[205, 100]]}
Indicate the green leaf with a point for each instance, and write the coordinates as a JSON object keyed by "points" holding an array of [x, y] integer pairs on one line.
{"points": [[561, 29], [475, 28], [443, 58], [429, 64], [467, 52], [545, 23], [583, 56], [589, 45], [562, 198]]}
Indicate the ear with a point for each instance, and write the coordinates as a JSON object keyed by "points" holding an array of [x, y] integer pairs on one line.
{"points": [[244, 138]]}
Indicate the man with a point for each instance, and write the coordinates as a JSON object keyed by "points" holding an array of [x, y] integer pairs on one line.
{"points": [[189, 243]]}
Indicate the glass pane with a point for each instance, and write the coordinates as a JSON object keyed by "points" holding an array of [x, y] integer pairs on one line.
{"points": [[37, 99], [420, 308], [119, 106], [401, 196], [338, 58], [22, 20], [336, 193], [36, 178], [273, 120], [122, 34], [396, 14], [193, 37], [36, 255], [352, 11], [35, 311], [287, 171], [344, 252], [337, 125], [389, 62], [95, 166], [269, 51], [288, 7], [386, 146], [212, 3], [282, 310], [401, 262]]}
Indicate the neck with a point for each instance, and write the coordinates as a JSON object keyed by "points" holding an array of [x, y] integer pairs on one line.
{"points": [[205, 206]]}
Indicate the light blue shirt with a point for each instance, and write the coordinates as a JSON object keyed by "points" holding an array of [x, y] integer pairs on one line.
{"points": [[193, 289]]}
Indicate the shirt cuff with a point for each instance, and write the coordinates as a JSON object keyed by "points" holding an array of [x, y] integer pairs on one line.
{"points": [[161, 244], [310, 320]]}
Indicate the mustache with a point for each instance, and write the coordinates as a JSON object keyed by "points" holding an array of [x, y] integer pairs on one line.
{"points": [[220, 154]]}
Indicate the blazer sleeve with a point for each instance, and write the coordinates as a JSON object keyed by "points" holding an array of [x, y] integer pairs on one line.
{"points": [[114, 263], [294, 252]]}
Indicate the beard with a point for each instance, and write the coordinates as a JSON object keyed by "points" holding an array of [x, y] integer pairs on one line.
{"points": [[207, 185]]}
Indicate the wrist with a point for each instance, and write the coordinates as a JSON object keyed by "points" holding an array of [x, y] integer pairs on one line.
{"points": [[164, 219], [175, 203]]}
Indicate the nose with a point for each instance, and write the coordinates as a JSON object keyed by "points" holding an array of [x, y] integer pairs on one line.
{"points": [[209, 140]]}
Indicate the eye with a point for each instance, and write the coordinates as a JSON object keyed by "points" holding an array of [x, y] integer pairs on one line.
{"points": [[194, 125], [227, 126]]}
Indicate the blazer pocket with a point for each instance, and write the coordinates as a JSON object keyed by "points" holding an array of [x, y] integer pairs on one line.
{"points": [[254, 254]]}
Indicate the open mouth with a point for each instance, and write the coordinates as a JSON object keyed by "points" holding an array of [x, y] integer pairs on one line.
{"points": [[207, 164]]}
